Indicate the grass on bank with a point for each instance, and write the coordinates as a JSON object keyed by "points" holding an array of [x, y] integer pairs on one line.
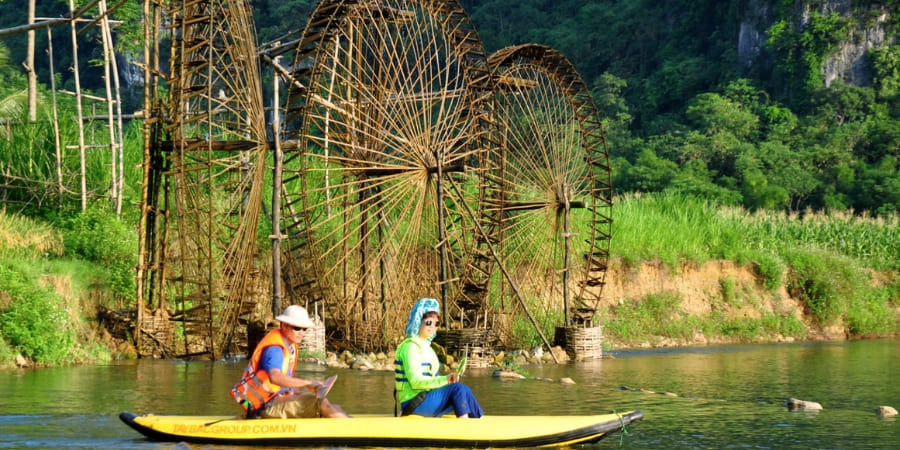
{"points": [[844, 267], [50, 284]]}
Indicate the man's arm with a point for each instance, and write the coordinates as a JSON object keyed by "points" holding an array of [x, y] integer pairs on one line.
{"points": [[282, 379]]}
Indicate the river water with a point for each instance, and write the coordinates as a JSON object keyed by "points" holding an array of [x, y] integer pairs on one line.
{"points": [[709, 397]]}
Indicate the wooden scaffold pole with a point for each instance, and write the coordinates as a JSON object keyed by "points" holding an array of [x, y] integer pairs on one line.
{"points": [[78, 108], [57, 140], [29, 67]]}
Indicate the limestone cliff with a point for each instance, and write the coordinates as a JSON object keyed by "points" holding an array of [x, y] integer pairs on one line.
{"points": [[848, 61]]}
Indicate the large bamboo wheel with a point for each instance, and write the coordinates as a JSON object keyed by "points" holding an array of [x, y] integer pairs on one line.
{"points": [[555, 200], [205, 167], [387, 109]]}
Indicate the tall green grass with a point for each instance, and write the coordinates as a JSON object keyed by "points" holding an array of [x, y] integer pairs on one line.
{"points": [[872, 241], [30, 155], [671, 228], [26, 238]]}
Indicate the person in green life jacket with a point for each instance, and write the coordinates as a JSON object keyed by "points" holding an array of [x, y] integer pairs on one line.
{"points": [[268, 387], [420, 389]]}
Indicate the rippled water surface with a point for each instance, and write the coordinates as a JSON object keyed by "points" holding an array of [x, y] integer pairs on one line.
{"points": [[710, 397]]}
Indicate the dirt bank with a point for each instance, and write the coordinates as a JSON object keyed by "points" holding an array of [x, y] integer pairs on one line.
{"points": [[720, 286]]}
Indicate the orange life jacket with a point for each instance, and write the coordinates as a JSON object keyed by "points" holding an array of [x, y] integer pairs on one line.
{"points": [[255, 389]]}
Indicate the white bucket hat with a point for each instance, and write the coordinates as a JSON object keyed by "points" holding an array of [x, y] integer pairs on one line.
{"points": [[297, 316]]}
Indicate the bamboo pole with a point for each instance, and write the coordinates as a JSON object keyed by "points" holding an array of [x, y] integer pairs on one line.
{"points": [[49, 22], [59, 180], [277, 294], [78, 108], [110, 123], [119, 139], [29, 67], [146, 222], [512, 283]]}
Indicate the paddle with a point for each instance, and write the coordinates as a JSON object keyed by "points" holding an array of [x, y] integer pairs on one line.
{"points": [[462, 365], [322, 391]]}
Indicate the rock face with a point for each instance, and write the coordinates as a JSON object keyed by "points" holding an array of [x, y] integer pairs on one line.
{"points": [[847, 63], [509, 374], [751, 36]]}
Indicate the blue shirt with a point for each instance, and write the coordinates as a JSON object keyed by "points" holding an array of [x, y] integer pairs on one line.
{"points": [[273, 358]]}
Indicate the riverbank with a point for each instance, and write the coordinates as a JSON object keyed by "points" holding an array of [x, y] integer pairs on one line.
{"points": [[689, 304], [648, 305], [682, 273]]}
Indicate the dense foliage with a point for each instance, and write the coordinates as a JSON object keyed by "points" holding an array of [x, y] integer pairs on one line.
{"points": [[685, 109], [686, 112]]}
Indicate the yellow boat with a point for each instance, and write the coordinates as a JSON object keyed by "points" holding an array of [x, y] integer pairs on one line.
{"points": [[382, 430]]}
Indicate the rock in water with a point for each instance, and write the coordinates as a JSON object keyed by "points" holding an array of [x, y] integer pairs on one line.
{"points": [[794, 404]]}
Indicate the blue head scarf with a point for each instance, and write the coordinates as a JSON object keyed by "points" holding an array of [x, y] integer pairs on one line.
{"points": [[423, 306]]}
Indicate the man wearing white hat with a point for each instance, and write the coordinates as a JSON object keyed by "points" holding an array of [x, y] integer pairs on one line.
{"points": [[268, 387]]}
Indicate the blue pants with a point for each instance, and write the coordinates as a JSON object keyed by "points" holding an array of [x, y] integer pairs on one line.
{"points": [[455, 397]]}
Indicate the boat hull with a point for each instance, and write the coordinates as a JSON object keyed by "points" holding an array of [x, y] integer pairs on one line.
{"points": [[382, 431]]}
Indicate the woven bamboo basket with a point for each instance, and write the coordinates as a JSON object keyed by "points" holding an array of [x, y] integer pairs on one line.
{"points": [[475, 343], [314, 338], [581, 342], [161, 330]]}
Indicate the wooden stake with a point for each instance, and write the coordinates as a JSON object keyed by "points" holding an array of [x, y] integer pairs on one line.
{"points": [[59, 179], [78, 108], [29, 67]]}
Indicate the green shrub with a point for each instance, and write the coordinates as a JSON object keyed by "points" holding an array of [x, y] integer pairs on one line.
{"points": [[827, 283], [96, 235], [871, 315], [653, 315], [727, 288], [34, 324], [770, 269], [761, 329], [893, 292], [7, 354]]}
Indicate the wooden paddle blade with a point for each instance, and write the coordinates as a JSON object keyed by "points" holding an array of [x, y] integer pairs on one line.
{"points": [[326, 386]]}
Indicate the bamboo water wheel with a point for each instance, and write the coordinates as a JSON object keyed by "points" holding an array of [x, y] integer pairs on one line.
{"points": [[205, 150], [413, 165], [381, 191], [556, 198]]}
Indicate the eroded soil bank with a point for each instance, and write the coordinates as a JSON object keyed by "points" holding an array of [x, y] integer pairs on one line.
{"points": [[719, 286]]}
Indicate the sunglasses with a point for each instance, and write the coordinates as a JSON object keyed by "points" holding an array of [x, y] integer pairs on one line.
{"points": [[430, 322], [303, 329]]}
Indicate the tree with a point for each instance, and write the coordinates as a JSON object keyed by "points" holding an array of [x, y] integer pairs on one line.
{"points": [[884, 64], [713, 114], [649, 173]]}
